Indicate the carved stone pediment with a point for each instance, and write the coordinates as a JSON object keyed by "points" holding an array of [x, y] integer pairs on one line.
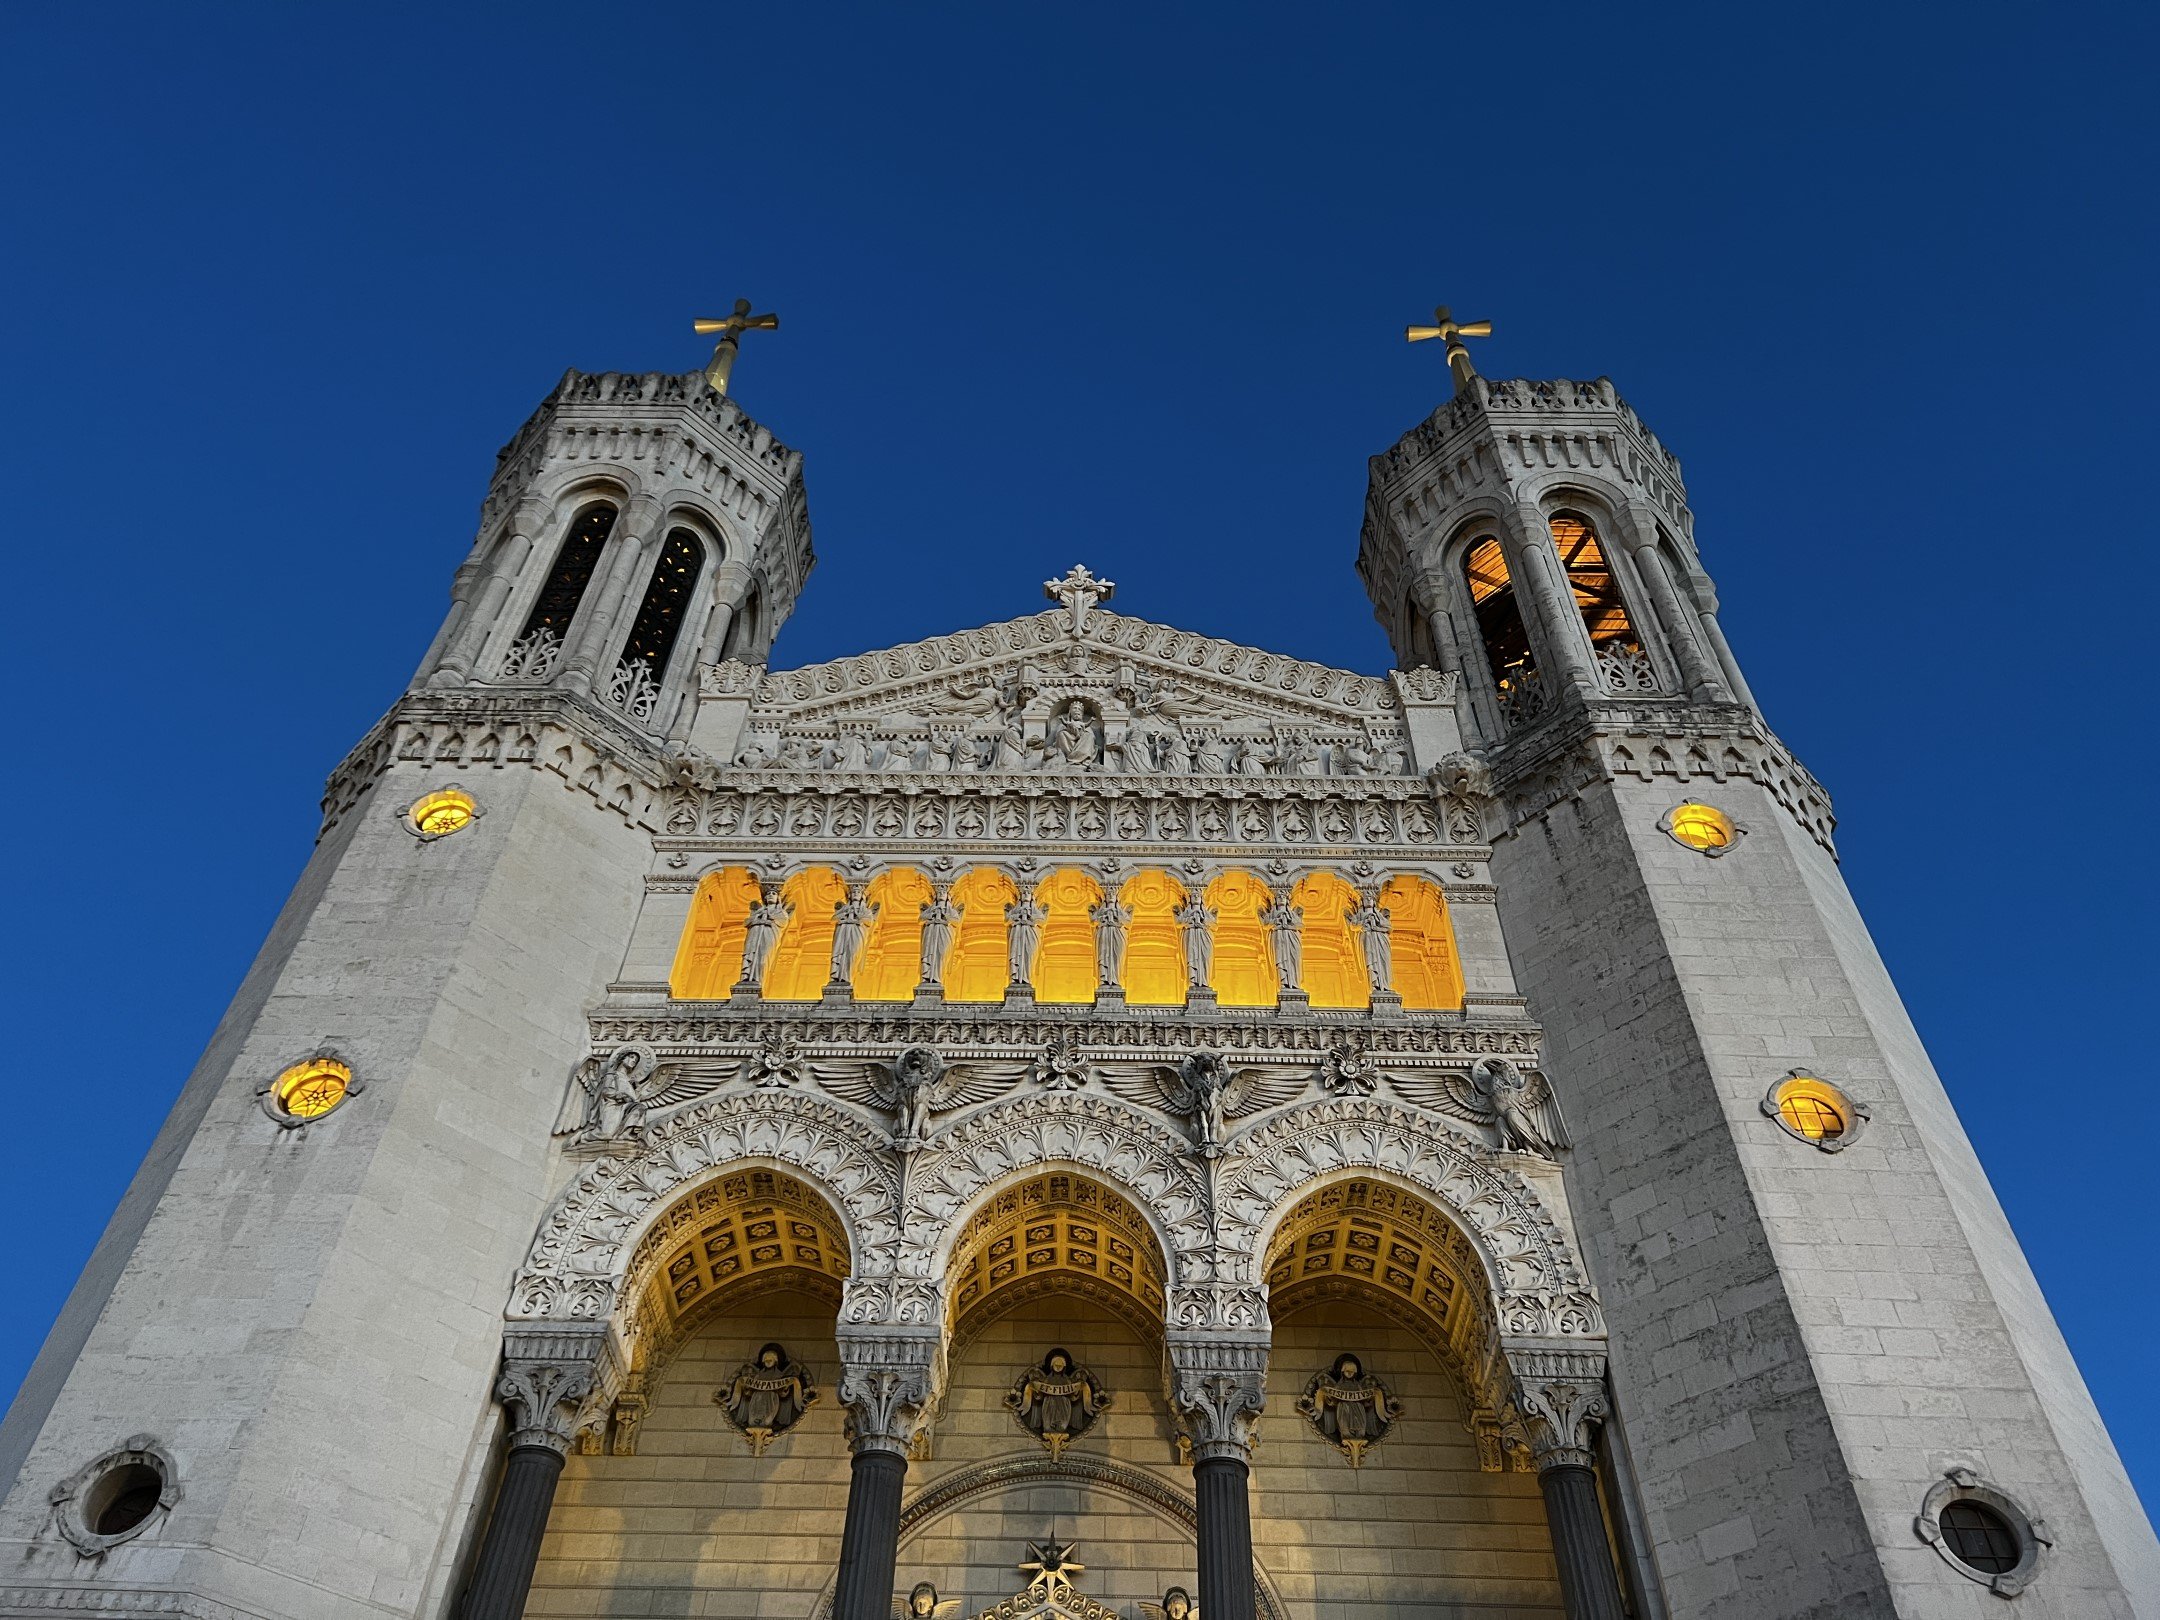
{"points": [[1066, 693]]}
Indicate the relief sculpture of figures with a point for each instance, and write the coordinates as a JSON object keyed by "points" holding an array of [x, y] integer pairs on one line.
{"points": [[1024, 919], [1176, 1604], [1519, 1109], [1058, 1401], [767, 1396], [1110, 920], [1349, 1407], [851, 921], [1285, 923], [1198, 923], [1077, 737], [938, 918], [762, 928], [1372, 922]]}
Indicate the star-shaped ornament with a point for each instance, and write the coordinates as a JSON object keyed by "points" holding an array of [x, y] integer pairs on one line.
{"points": [[1052, 1566]]}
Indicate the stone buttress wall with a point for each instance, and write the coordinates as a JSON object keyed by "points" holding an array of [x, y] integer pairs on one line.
{"points": [[1801, 1342], [310, 1320]]}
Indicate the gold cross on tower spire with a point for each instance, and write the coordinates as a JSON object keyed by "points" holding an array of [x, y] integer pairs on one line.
{"points": [[1454, 331], [731, 331]]}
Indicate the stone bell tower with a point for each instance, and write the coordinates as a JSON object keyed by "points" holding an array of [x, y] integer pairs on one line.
{"points": [[1824, 1334], [269, 1393]]}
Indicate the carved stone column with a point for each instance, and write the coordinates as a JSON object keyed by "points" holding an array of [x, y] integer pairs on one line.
{"points": [[1561, 1397], [1682, 634], [1551, 601], [635, 536], [1217, 1386], [730, 588], [484, 591], [550, 1382], [889, 1383]]}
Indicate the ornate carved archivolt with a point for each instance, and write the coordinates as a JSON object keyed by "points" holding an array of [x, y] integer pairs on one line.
{"points": [[1062, 1234]]}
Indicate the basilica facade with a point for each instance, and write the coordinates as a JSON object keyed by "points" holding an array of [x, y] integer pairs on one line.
{"points": [[1070, 1117]]}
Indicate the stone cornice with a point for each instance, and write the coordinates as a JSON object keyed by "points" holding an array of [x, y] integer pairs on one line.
{"points": [[501, 728], [1603, 740]]}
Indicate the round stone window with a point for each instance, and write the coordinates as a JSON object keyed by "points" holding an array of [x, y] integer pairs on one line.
{"points": [[309, 1089], [1981, 1532], [115, 1498], [438, 815], [1812, 1110], [1703, 828]]}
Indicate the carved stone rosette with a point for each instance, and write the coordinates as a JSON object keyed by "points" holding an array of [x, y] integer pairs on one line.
{"points": [[1560, 1394], [890, 1383], [1216, 1386]]}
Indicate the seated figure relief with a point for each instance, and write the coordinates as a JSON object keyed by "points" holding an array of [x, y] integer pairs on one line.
{"points": [[767, 1396], [1349, 1407], [1057, 1401]]}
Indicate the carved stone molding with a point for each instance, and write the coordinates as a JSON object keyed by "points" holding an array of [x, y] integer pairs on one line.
{"points": [[1560, 1399], [890, 1383], [1216, 1384], [577, 1262], [1539, 1282]]}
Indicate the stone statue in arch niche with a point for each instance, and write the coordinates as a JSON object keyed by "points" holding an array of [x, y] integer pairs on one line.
{"points": [[1349, 1407], [1057, 1401], [767, 1396]]}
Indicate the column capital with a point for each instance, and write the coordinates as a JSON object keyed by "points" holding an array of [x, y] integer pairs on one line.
{"points": [[891, 1379], [555, 1380], [1217, 1384], [1560, 1395]]}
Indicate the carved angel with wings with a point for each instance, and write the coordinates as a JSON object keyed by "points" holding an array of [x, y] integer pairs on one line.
{"points": [[917, 1084], [613, 1096], [1176, 1604], [1520, 1110], [1206, 1091]]}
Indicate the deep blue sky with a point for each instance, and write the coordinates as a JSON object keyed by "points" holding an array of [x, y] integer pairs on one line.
{"points": [[1117, 284]]}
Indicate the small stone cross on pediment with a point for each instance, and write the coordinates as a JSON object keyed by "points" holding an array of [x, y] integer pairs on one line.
{"points": [[1079, 590]]}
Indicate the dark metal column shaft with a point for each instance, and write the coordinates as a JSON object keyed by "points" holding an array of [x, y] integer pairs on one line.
{"points": [[870, 1539], [1589, 1589], [511, 1547], [1226, 1580]]}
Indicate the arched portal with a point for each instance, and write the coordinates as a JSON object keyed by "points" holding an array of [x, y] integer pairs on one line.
{"points": [[1243, 973], [975, 963], [1056, 1233], [891, 959], [1427, 973], [1154, 971], [1334, 961], [1065, 964], [802, 956], [709, 958]]}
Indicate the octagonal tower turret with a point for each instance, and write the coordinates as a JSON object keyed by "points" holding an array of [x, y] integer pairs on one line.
{"points": [[637, 527]]}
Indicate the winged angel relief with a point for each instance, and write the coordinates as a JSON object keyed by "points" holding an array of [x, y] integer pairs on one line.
{"points": [[1520, 1110], [917, 1084], [1205, 1091]]}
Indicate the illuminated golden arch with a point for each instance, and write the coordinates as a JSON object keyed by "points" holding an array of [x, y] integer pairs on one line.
{"points": [[975, 963], [708, 960], [1059, 1233], [1065, 965], [1388, 1247], [1154, 972], [801, 960], [891, 959], [1427, 971], [1334, 957], [748, 1231], [1243, 974]]}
